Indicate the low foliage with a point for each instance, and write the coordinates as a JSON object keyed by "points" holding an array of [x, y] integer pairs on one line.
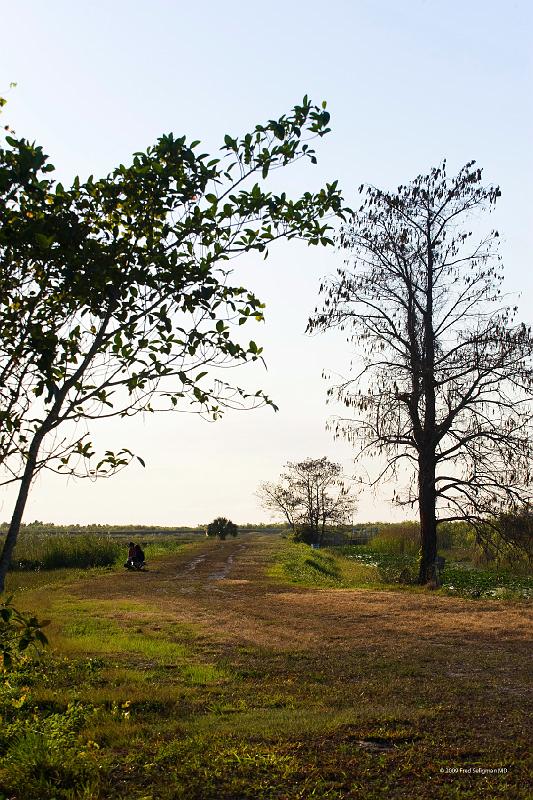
{"points": [[18, 633], [42, 754], [308, 567], [145, 707], [325, 568]]}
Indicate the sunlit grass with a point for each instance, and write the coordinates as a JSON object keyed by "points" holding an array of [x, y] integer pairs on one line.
{"points": [[21, 582], [326, 568]]}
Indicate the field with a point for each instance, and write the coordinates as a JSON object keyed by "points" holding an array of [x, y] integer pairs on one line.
{"points": [[256, 668]]}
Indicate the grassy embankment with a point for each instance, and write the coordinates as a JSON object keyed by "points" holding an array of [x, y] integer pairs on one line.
{"points": [[359, 566], [131, 704]]}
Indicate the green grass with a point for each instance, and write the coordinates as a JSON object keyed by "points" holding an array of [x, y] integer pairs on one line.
{"points": [[294, 725], [37, 552], [460, 580], [327, 568]]}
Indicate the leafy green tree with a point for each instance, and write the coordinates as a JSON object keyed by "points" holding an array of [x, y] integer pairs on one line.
{"points": [[445, 385], [115, 293], [222, 528]]}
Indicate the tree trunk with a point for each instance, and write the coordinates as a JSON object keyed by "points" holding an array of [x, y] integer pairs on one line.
{"points": [[426, 459], [20, 505], [428, 521]]}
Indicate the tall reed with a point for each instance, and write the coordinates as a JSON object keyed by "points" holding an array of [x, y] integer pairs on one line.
{"points": [[38, 551]]}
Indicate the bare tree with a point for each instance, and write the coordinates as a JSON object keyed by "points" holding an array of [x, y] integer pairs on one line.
{"points": [[310, 495], [445, 384]]}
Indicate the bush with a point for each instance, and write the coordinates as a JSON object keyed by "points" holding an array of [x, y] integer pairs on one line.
{"points": [[222, 528], [456, 536], [304, 534]]}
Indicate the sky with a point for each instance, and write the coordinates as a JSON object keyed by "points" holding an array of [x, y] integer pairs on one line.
{"points": [[407, 83]]}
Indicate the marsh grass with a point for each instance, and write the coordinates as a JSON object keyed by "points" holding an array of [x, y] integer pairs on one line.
{"points": [[38, 552], [458, 578], [43, 552]]}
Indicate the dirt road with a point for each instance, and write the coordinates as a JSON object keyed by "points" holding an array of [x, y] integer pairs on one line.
{"points": [[222, 589]]}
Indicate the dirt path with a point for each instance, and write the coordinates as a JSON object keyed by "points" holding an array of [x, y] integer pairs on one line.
{"points": [[223, 590]]}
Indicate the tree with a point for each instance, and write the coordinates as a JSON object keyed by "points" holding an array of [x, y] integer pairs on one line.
{"points": [[445, 382], [310, 495], [222, 528], [115, 294]]}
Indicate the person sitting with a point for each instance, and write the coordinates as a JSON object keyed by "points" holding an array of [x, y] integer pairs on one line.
{"points": [[138, 555], [131, 556]]}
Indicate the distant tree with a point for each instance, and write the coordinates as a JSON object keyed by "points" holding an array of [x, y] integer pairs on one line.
{"points": [[222, 528], [445, 384], [310, 495], [115, 294]]}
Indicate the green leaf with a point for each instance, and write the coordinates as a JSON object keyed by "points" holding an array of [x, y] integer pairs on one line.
{"points": [[44, 241]]}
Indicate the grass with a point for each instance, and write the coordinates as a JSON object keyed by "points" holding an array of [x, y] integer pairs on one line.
{"points": [[37, 552], [328, 568], [42, 552], [131, 702]]}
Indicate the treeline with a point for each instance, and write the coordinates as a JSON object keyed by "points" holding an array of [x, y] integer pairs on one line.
{"points": [[51, 527], [101, 528]]}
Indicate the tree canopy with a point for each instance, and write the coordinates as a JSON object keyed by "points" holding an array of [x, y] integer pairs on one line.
{"points": [[116, 295], [443, 394]]}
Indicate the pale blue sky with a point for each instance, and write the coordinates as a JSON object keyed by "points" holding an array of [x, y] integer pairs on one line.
{"points": [[407, 83]]}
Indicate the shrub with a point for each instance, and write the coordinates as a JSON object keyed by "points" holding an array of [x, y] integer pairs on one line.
{"points": [[304, 534], [46, 764], [222, 528], [18, 632], [455, 536]]}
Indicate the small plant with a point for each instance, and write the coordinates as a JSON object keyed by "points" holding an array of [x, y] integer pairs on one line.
{"points": [[18, 632], [222, 528]]}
